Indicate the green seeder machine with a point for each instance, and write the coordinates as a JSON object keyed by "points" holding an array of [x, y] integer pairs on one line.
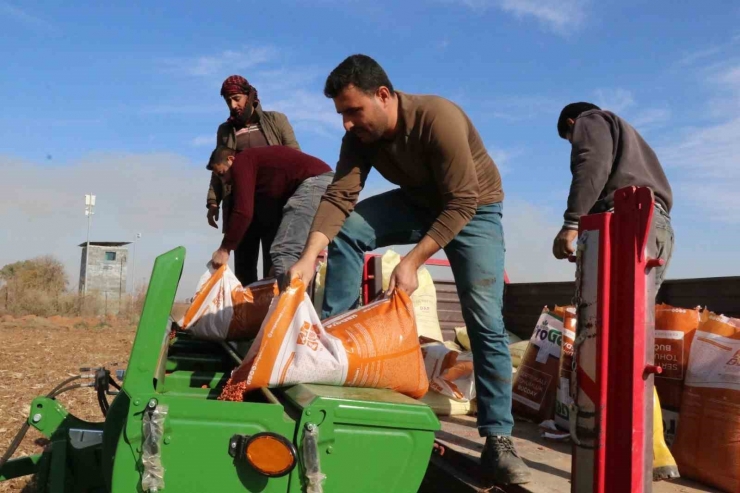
{"points": [[165, 429]]}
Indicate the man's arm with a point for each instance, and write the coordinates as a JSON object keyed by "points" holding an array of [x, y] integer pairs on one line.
{"points": [[243, 183], [213, 199], [287, 135], [591, 164], [336, 204], [341, 195], [454, 172]]}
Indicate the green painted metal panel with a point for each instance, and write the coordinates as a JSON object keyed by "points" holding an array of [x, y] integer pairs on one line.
{"points": [[152, 332], [369, 439]]}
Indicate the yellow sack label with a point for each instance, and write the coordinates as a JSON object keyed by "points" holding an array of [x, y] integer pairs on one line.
{"points": [[424, 298]]}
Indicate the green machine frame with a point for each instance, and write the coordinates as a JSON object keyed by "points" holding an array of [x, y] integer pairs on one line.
{"points": [[167, 431]]}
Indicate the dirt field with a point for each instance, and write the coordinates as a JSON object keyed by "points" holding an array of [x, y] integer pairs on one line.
{"points": [[36, 354]]}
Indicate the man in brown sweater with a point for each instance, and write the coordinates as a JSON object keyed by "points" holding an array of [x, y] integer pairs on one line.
{"points": [[449, 197], [247, 127]]}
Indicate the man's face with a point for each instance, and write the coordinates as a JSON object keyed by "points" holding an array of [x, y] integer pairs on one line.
{"points": [[236, 103], [223, 169], [365, 115]]}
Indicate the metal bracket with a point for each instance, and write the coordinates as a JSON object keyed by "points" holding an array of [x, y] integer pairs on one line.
{"points": [[237, 444]]}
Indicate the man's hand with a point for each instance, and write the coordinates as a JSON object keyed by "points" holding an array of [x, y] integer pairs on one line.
{"points": [[404, 277], [304, 270], [220, 257], [562, 247], [212, 215]]}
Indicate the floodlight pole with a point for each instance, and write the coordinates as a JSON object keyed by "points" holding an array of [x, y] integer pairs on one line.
{"points": [[89, 206]]}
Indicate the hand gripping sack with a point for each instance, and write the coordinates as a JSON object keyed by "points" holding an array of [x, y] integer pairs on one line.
{"points": [[707, 444], [225, 310], [373, 346], [424, 299]]}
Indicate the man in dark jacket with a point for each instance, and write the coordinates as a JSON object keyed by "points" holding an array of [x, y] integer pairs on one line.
{"points": [[248, 126], [609, 154]]}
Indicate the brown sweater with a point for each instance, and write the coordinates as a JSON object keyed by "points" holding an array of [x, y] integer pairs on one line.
{"points": [[437, 158]]}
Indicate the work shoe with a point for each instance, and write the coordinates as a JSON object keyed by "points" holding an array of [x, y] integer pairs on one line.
{"points": [[501, 463]]}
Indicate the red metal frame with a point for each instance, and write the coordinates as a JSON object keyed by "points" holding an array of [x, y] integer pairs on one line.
{"points": [[628, 346], [612, 427]]}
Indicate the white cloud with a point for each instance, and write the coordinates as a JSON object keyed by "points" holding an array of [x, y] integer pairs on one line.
{"points": [[711, 152], [161, 196], [304, 107], [24, 17], [701, 54], [204, 141], [519, 108], [177, 109], [529, 231], [230, 61], [502, 158], [651, 117], [730, 77], [561, 16], [616, 100]]}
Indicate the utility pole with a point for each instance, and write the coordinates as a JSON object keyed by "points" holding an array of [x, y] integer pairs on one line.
{"points": [[133, 280], [89, 206]]}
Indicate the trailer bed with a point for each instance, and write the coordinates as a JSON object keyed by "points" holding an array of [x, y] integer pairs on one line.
{"points": [[548, 460]]}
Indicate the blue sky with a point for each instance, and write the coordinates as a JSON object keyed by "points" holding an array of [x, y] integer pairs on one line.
{"points": [[123, 100]]}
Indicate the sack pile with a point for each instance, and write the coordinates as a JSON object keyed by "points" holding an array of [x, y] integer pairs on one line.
{"points": [[224, 310], [373, 346]]}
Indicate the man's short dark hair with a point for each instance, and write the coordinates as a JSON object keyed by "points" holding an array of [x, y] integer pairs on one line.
{"points": [[219, 155], [359, 70], [573, 110]]}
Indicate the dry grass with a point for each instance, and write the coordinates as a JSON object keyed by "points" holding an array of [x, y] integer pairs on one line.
{"points": [[36, 353]]}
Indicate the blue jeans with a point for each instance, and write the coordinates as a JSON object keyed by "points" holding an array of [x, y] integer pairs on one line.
{"points": [[298, 214], [476, 257], [664, 238]]}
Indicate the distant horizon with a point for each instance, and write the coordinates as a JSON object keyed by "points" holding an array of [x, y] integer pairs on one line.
{"points": [[122, 101]]}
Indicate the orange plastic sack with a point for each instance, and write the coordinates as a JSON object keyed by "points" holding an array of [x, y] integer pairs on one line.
{"points": [[563, 399], [674, 331], [536, 379], [707, 445], [450, 372], [225, 310], [373, 346]]}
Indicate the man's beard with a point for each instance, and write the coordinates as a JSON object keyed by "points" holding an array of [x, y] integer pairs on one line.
{"points": [[244, 116]]}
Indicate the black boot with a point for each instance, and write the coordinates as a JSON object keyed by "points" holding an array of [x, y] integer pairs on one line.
{"points": [[501, 463]]}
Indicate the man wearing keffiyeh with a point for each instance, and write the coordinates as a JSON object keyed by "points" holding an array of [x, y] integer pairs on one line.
{"points": [[248, 126]]}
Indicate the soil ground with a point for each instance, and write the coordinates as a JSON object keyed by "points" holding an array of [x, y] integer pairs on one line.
{"points": [[36, 354]]}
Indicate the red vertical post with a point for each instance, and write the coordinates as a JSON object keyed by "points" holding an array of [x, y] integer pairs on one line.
{"points": [[611, 416], [631, 344]]}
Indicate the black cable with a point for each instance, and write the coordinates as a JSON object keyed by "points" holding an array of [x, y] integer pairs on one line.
{"points": [[70, 379], [24, 429], [66, 389], [14, 444], [113, 382]]}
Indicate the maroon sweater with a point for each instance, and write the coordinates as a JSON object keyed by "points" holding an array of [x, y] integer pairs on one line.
{"points": [[269, 175]]}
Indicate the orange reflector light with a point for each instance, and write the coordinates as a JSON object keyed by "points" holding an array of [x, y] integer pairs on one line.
{"points": [[270, 454]]}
